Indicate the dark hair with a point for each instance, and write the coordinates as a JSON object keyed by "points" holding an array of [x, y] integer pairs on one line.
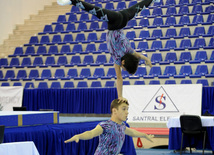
{"points": [[131, 63], [115, 104]]}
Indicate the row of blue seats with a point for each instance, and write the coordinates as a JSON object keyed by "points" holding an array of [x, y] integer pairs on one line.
{"points": [[97, 84], [142, 45], [155, 71], [171, 57], [171, 11], [144, 22], [120, 5]]}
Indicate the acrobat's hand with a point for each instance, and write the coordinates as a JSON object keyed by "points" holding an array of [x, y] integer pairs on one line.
{"points": [[122, 99], [148, 62], [74, 138], [64, 2], [149, 138]]}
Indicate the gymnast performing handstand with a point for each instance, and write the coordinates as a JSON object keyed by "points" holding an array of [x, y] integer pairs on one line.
{"points": [[118, 44]]}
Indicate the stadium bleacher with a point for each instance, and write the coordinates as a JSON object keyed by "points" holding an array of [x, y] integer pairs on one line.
{"points": [[176, 35]]}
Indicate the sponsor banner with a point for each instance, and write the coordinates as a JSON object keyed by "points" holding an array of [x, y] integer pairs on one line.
{"points": [[10, 97], [157, 103]]}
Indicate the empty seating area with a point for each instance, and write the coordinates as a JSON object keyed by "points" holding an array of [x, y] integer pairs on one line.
{"points": [[71, 52]]}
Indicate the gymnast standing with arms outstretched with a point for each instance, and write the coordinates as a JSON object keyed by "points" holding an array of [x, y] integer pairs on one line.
{"points": [[118, 44]]}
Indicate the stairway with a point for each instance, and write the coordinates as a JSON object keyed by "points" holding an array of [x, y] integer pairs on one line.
{"points": [[33, 25]]}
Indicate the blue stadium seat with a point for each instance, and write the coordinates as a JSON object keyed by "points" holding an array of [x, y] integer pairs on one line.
{"points": [[155, 71], [43, 85], [26, 62], [185, 70], [156, 58], [184, 20], [38, 61], [58, 28], [141, 71], [201, 70], [142, 45], [50, 61], [157, 33], [156, 45], [10, 74], [98, 73], [65, 49], [84, 17], [186, 81], [59, 74], [82, 84], [61, 19], [121, 5], [197, 19], [56, 39], [144, 34], [157, 22], [110, 62], [184, 2], [80, 37], [210, 32], [41, 50], [211, 74], [211, 60], [30, 50], [110, 74], [1, 74], [103, 47], [170, 2], [209, 9], [169, 71], [17, 84], [77, 48], [170, 44], [92, 37], [171, 11], [22, 74], [46, 74], [185, 44], [101, 59], [211, 44], [3, 62], [144, 13], [94, 26], [104, 26], [204, 82], [197, 9], [184, 10], [154, 82], [5, 84], [131, 3], [72, 73], [157, 12], [88, 59], [75, 60], [103, 37], [18, 51], [125, 74], [55, 85], [70, 28], [170, 82], [131, 24], [47, 29], [210, 19], [110, 84], [131, 35], [75, 9], [72, 18], [139, 83], [199, 31], [34, 73], [90, 48], [144, 22], [81, 27], [184, 32], [29, 85], [170, 21], [62, 61], [68, 38], [199, 43], [171, 57], [14, 62], [69, 84], [44, 40], [96, 84], [109, 6], [126, 82], [33, 40], [85, 73]]}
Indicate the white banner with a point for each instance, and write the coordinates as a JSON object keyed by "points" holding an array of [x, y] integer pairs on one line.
{"points": [[157, 103], [10, 97]]}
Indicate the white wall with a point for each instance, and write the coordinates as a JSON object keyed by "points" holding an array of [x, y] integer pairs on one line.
{"points": [[14, 12]]}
